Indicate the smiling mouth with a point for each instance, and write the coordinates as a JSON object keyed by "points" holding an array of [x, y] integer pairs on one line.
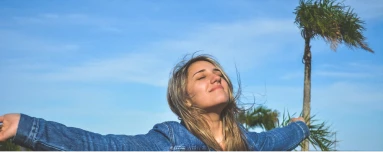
{"points": [[216, 88]]}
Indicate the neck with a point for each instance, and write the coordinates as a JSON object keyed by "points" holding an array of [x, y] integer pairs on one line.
{"points": [[216, 127]]}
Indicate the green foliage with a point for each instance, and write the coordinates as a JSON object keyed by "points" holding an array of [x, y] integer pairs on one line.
{"points": [[321, 136], [259, 117], [331, 20], [9, 146]]}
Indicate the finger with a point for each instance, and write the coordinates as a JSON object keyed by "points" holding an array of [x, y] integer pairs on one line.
{"points": [[294, 119], [297, 119], [5, 134], [2, 137], [301, 119], [1, 123]]}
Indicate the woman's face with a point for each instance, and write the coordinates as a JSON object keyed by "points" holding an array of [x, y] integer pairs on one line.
{"points": [[207, 87]]}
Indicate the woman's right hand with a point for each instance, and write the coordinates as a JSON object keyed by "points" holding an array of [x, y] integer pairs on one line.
{"points": [[9, 127]]}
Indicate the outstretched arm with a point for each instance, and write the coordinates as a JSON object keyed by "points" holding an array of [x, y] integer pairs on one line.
{"points": [[281, 139], [38, 134]]}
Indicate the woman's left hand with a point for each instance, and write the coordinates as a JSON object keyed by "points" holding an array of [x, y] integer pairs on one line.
{"points": [[297, 119], [9, 127]]}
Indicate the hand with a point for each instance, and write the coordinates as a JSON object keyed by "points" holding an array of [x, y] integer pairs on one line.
{"points": [[297, 119], [9, 127]]}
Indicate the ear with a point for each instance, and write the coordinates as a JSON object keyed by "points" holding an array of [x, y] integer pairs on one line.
{"points": [[188, 103]]}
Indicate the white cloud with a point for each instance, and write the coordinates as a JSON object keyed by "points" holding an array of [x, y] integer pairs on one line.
{"points": [[109, 24], [343, 74], [50, 16], [277, 97], [292, 75], [340, 96], [356, 69], [13, 41], [344, 92], [348, 70], [246, 43], [377, 68], [144, 68]]}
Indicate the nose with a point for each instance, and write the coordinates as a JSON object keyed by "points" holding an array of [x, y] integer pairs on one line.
{"points": [[215, 78]]}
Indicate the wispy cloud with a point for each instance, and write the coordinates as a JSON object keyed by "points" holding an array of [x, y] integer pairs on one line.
{"points": [[351, 70], [72, 19], [246, 43], [344, 74], [292, 75], [349, 95], [13, 41], [135, 67], [249, 43], [52, 18]]}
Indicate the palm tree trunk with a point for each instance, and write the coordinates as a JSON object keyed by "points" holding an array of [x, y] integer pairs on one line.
{"points": [[307, 88]]}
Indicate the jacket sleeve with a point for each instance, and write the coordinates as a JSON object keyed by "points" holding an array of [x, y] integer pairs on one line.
{"points": [[279, 139], [38, 134]]}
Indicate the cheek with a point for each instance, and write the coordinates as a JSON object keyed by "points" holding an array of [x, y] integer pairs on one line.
{"points": [[191, 90], [196, 90], [226, 86], [189, 87]]}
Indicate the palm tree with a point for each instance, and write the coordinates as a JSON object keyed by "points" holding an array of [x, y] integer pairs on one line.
{"points": [[260, 116], [321, 135], [336, 24]]}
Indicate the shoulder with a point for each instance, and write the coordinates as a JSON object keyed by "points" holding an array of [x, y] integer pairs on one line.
{"points": [[180, 137], [167, 125], [169, 128]]}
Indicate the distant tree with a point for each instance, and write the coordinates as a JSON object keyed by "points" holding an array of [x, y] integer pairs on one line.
{"points": [[25, 149], [336, 24], [9, 146], [260, 116]]}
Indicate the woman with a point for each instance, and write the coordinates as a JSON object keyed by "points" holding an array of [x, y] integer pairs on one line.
{"points": [[199, 93]]}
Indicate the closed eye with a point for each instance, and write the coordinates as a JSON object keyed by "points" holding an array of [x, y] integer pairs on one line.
{"points": [[200, 78], [218, 72]]}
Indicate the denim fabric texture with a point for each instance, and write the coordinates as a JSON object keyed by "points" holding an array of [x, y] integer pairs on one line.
{"points": [[39, 134]]}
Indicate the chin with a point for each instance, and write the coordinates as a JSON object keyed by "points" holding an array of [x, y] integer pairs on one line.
{"points": [[222, 98], [222, 102], [219, 106]]}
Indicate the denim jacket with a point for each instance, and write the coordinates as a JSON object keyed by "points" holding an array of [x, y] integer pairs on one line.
{"points": [[38, 134]]}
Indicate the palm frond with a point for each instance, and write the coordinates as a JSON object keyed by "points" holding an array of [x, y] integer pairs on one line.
{"points": [[321, 136], [260, 116], [333, 21]]}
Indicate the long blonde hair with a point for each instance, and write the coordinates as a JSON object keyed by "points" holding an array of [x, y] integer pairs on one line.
{"points": [[177, 97]]}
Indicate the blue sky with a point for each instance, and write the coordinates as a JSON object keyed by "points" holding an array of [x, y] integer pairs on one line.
{"points": [[104, 65]]}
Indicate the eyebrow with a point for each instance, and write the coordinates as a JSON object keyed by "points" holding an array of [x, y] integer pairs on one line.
{"points": [[203, 70], [198, 72]]}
